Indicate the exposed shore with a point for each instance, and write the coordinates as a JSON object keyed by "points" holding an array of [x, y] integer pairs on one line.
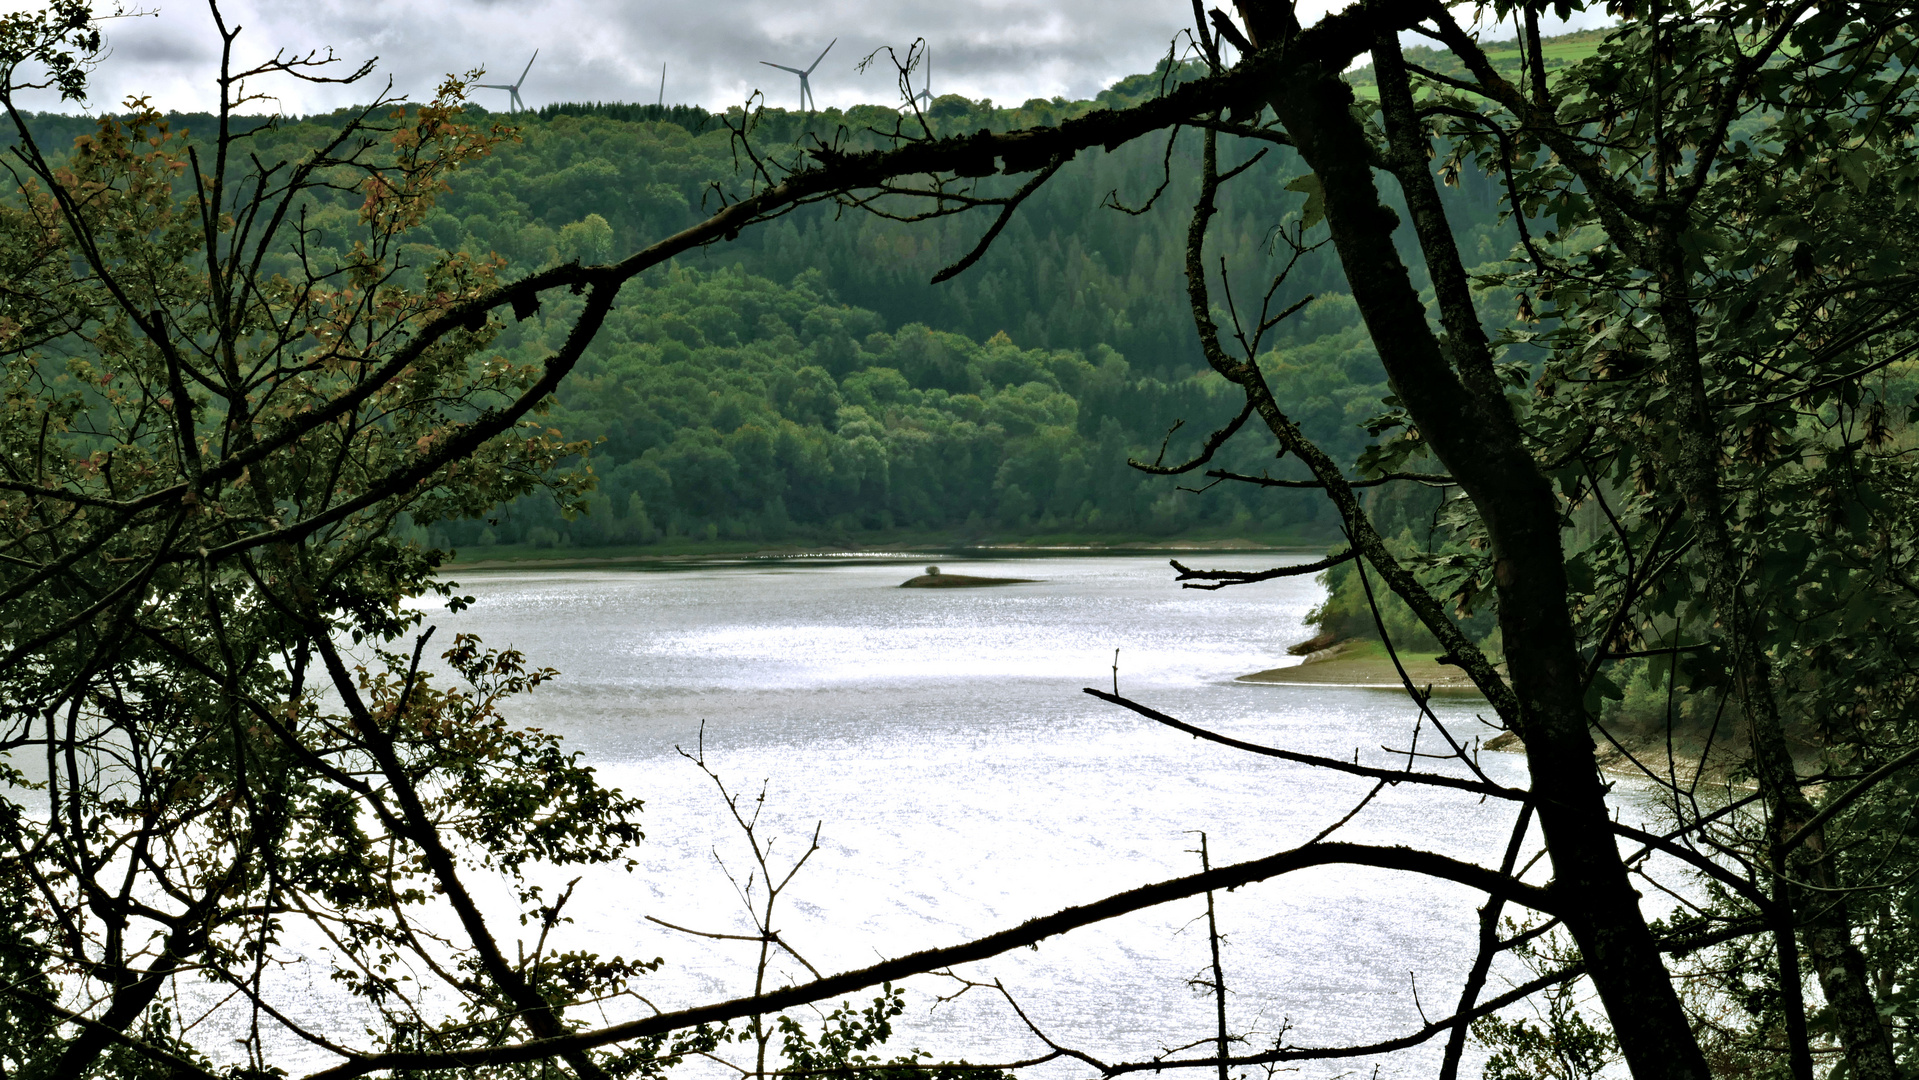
{"points": [[1366, 664], [1623, 749]]}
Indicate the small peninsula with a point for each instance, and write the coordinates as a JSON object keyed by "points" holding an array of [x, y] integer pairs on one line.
{"points": [[933, 579]]}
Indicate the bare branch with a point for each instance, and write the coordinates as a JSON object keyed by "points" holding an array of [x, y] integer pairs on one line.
{"points": [[1213, 442], [1247, 577], [1391, 776], [1407, 860], [1005, 215]]}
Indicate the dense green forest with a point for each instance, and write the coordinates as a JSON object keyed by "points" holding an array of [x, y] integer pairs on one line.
{"points": [[725, 405], [807, 383]]}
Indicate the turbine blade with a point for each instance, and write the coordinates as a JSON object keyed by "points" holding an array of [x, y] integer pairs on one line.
{"points": [[822, 56], [782, 67], [529, 67]]}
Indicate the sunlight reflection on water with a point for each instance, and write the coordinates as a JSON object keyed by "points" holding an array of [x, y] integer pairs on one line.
{"points": [[962, 784]]}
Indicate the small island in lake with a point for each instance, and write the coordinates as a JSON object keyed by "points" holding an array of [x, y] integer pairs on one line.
{"points": [[933, 579]]}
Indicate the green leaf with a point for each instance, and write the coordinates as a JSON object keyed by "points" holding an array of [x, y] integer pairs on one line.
{"points": [[1855, 165], [1601, 689], [1314, 211]]}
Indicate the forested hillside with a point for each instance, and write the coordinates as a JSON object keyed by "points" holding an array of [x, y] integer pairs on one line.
{"points": [[725, 405], [1068, 273], [807, 382]]}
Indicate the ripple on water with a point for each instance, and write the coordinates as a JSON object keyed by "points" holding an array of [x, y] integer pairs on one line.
{"points": [[962, 783]]}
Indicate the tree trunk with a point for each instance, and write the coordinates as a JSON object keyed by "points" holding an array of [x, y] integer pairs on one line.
{"points": [[1478, 440], [1820, 911]]}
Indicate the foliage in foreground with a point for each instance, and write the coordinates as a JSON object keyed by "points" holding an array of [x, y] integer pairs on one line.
{"points": [[208, 456]]}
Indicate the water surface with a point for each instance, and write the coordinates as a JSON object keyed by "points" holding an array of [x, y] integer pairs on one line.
{"points": [[962, 783]]}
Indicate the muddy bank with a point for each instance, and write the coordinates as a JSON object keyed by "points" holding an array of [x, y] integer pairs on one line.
{"points": [[1694, 754], [1364, 663]]}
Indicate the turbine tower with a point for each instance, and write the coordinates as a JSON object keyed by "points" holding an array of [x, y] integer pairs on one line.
{"points": [[925, 96], [514, 102], [806, 89]]}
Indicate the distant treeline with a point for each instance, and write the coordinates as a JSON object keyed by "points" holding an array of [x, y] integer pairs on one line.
{"points": [[691, 117]]}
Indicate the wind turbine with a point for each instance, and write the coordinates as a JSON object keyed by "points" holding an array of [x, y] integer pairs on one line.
{"points": [[926, 92], [515, 104], [806, 89]]}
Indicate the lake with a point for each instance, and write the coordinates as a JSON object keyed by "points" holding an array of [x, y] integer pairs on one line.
{"points": [[961, 783]]}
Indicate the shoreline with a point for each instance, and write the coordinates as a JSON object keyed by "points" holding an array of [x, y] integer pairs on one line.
{"points": [[1683, 765], [1361, 664], [1365, 665], [720, 552]]}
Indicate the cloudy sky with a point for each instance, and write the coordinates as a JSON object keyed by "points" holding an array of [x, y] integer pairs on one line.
{"points": [[612, 50]]}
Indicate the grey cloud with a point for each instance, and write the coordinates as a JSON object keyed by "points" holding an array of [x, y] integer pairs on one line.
{"points": [[611, 50], [162, 44]]}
